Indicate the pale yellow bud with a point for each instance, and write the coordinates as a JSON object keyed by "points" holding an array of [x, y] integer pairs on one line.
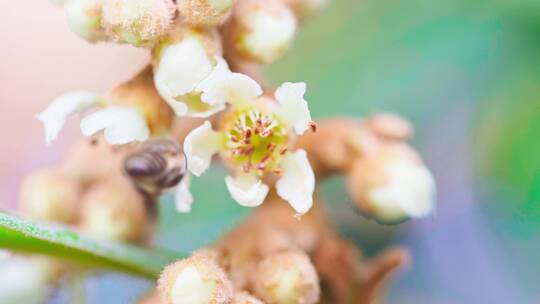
{"points": [[79, 162], [48, 195], [391, 185], [205, 12], [114, 210], [287, 278], [260, 31], [195, 280], [137, 22], [84, 19]]}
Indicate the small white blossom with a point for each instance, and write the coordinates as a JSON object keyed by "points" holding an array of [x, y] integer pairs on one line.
{"points": [[121, 125], [54, 117], [254, 138], [182, 67]]}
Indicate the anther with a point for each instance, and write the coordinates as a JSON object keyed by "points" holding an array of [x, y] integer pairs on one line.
{"points": [[313, 126]]}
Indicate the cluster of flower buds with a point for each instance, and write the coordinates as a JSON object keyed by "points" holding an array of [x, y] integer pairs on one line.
{"points": [[190, 77]]}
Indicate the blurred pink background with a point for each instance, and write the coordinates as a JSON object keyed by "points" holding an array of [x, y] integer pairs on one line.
{"points": [[41, 59]]}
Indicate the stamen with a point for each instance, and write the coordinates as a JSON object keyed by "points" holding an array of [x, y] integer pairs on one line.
{"points": [[283, 150], [313, 126]]}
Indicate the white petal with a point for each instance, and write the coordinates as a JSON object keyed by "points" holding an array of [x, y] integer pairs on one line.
{"points": [[224, 86], [121, 124], [247, 190], [411, 190], [199, 146], [298, 181], [54, 117], [191, 105], [183, 198], [182, 66], [293, 107]]}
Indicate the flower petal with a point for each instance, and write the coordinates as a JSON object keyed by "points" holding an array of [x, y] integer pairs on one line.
{"points": [[192, 105], [182, 66], [25, 280], [411, 190], [293, 107], [298, 181], [183, 199], [54, 117], [247, 190], [224, 86], [199, 146], [121, 124]]}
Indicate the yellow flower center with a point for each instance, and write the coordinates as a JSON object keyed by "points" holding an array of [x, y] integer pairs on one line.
{"points": [[256, 141]]}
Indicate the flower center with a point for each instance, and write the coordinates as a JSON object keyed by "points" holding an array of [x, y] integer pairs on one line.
{"points": [[256, 141]]}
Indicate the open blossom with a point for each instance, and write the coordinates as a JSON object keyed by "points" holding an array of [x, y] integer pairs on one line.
{"points": [[121, 124], [254, 138]]}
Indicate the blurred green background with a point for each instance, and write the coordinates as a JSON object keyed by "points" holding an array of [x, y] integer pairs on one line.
{"points": [[467, 75]]}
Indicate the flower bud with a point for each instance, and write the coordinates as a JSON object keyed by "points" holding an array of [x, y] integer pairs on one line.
{"points": [[114, 210], [141, 94], [195, 280], [137, 22], [287, 277], [306, 8], [48, 195], [205, 12], [79, 163], [391, 185], [84, 19], [260, 30], [181, 63], [245, 298]]}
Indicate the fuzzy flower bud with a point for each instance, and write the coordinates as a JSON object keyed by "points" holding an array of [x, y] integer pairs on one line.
{"points": [[392, 185], [137, 22], [114, 210], [84, 19], [287, 277], [205, 12], [48, 195], [196, 280], [261, 31]]}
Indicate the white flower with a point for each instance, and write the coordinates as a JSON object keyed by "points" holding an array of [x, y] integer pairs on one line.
{"points": [[182, 67], [182, 196], [254, 139], [54, 117], [409, 192], [122, 124]]}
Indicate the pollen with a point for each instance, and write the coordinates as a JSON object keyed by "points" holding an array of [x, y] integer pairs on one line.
{"points": [[256, 141]]}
